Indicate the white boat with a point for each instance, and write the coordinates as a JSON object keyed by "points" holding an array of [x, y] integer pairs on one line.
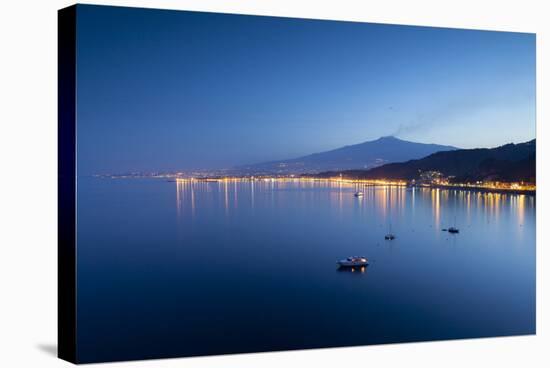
{"points": [[356, 261], [358, 194]]}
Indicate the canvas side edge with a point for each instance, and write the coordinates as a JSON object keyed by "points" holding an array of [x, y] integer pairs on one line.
{"points": [[66, 189]]}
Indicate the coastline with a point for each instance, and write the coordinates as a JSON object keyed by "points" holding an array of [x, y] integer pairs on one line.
{"points": [[374, 183], [483, 190]]}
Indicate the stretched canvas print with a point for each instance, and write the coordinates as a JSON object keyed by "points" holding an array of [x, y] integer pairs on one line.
{"points": [[235, 183]]}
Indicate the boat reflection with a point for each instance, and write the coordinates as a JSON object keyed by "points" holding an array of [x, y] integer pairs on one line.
{"points": [[360, 270]]}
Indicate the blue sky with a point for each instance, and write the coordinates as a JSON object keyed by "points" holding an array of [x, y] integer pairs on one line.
{"points": [[171, 90]]}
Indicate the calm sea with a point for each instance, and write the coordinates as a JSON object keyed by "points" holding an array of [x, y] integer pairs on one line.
{"points": [[192, 268]]}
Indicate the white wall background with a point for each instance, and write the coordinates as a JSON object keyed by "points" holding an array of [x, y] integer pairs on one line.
{"points": [[28, 149]]}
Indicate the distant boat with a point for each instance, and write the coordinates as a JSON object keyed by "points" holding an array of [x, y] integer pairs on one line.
{"points": [[389, 235], [453, 229], [355, 261], [358, 194]]}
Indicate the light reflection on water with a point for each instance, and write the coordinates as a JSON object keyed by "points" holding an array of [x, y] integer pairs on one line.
{"points": [[384, 199], [233, 266]]}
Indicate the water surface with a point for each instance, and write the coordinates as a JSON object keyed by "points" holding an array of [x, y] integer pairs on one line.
{"points": [[193, 268]]}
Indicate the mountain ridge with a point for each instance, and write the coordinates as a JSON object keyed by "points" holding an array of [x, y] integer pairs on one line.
{"points": [[363, 155], [509, 162]]}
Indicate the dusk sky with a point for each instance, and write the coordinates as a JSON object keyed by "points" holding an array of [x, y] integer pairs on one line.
{"points": [[167, 90]]}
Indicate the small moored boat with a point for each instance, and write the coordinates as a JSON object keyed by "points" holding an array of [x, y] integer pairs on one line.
{"points": [[389, 235], [356, 261], [358, 194], [453, 230]]}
